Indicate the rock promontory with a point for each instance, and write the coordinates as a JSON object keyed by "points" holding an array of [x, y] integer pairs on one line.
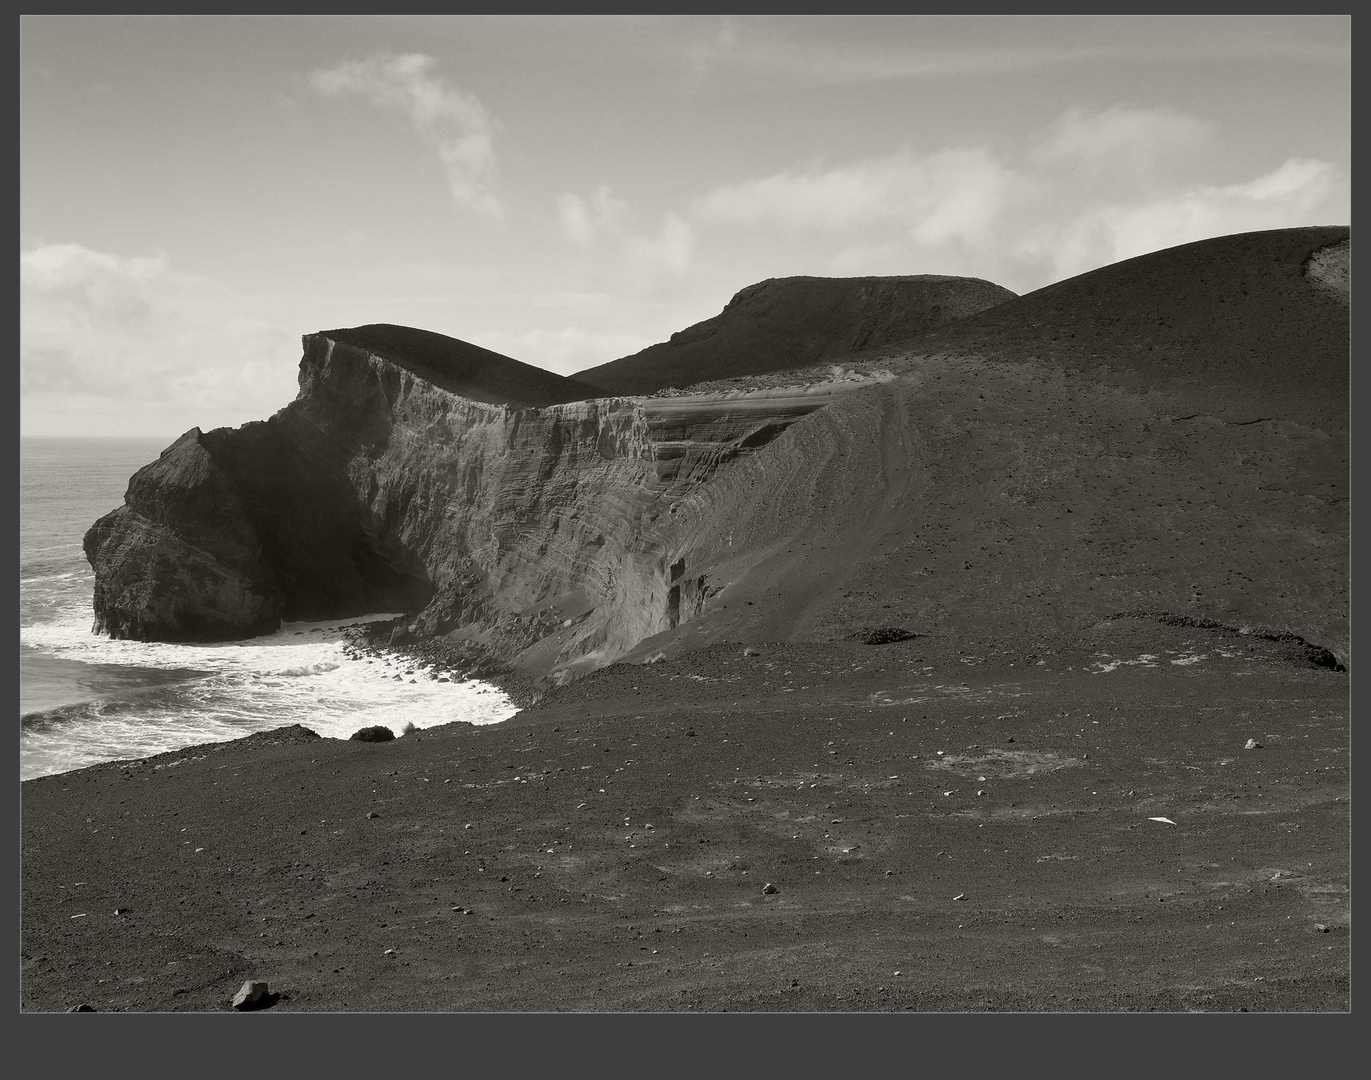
{"points": [[1162, 439]]}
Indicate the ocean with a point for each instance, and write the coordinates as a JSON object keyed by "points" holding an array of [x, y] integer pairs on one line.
{"points": [[84, 698]]}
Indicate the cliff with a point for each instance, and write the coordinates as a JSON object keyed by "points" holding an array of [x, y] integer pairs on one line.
{"points": [[379, 490], [797, 322], [1162, 438]]}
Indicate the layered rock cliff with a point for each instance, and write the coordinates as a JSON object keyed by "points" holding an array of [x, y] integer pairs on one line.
{"points": [[379, 490], [1162, 438]]}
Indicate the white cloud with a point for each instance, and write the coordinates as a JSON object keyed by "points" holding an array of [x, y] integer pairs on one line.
{"points": [[1299, 192], [1119, 131], [1133, 150], [1094, 188], [670, 250], [949, 195], [585, 219], [451, 120], [129, 338]]}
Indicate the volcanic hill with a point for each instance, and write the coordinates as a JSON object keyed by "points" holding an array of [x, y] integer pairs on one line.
{"points": [[797, 322], [1161, 438]]}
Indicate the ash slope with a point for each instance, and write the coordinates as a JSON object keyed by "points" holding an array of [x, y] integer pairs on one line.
{"points": [[1246, 327], [1161, 438], [795, 322]]}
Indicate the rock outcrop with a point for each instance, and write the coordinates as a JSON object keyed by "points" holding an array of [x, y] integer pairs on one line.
{"points": [[1163, 438]]}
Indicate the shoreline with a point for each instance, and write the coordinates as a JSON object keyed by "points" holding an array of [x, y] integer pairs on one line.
{"points": [[356, 638]]}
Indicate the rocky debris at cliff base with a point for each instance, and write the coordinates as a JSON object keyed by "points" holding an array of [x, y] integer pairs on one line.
{"points": [[253, 995], [445, 659]]}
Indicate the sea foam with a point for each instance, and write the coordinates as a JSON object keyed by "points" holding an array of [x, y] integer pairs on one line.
{"points": [[302, 674]]}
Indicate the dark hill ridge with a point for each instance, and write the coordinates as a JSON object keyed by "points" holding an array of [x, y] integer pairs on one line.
{"points": [[1235, 323], [796, 322], [462, 368]]}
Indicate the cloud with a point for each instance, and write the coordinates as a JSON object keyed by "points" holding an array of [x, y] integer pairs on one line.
{"points": [[1082, 136], [671, 249], [1134, 148], [1299, 192], [1091, 189], [132, 336], [585, 219], [949, 195], [449, 119], [603, 216]]}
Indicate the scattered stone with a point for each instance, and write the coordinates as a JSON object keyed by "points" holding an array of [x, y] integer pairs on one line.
{"points": [[378, 733], [389, 952], [750, 651], [83, 1007], [250, 995], [885, 635], [1163, 820], [960, 896], [1252, 744], [372, 814], [768, 889], [1320, 927]]}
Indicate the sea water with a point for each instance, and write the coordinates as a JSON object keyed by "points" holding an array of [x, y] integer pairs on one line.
{"points": [[84, 698]]}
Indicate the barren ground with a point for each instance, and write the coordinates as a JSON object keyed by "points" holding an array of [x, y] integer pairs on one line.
{"points": [[942, 834]]}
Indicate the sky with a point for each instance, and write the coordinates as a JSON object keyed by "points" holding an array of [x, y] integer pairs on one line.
{"points": [[197, 193]]}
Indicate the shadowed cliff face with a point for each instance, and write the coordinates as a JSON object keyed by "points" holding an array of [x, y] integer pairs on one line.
{"points": [[1006, 481]]}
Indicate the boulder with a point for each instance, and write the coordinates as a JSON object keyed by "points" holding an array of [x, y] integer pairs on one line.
{"points": [[377, 733]]}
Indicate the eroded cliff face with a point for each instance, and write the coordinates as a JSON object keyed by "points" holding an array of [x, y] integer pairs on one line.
{"points": [[533, 532]]}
